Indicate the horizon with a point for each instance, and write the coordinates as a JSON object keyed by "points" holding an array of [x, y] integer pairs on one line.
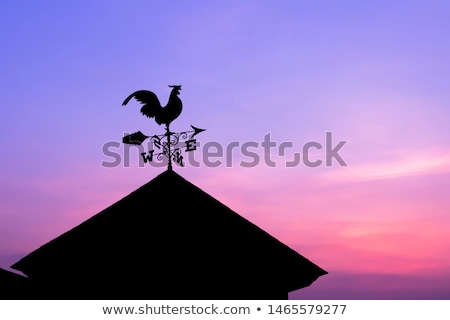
{"points": [[374, 75]]}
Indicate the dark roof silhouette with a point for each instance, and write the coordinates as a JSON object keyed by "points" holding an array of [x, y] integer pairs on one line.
{"points": [[167, 240], [13, 286]]}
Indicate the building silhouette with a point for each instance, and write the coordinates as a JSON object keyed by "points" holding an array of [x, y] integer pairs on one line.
{"points": [[166, 240], [13, 286]]}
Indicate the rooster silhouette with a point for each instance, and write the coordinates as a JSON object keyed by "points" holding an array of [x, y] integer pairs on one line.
{"points": [[152, 106]]}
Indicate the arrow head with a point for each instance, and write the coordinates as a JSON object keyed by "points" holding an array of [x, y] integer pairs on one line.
{"points": [[196, 131]]}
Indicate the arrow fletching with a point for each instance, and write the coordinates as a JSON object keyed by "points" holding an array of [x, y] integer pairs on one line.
{"points": [[135, 138]]}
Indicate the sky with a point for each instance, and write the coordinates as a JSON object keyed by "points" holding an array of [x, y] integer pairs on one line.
{"points": [[373, 77]]}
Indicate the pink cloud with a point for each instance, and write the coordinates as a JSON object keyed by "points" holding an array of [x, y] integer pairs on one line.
{"points": [[407, 163]]}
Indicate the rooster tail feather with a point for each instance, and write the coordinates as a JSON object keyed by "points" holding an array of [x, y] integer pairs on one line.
{"points": [[151, 110], [128, 99]]}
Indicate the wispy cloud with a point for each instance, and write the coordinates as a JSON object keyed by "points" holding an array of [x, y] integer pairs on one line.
{"points": [[410, 163]]}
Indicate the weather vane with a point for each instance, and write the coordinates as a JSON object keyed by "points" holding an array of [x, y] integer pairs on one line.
{"points": [[168, 142]]}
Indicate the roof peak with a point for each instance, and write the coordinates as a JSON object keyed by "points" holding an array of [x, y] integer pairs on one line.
{"points": [[175, 221]]}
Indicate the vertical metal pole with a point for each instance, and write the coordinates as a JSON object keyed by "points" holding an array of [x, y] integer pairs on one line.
{"points": [[169, 155]]}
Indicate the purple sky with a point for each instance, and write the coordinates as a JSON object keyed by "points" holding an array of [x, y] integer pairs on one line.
{"points": [[374, 74]]}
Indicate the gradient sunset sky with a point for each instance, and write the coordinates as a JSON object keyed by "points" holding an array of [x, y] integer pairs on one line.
{"points": [[376, 74]]}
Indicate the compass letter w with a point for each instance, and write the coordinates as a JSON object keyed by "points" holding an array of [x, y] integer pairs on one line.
{"points": [[149, 157]]}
